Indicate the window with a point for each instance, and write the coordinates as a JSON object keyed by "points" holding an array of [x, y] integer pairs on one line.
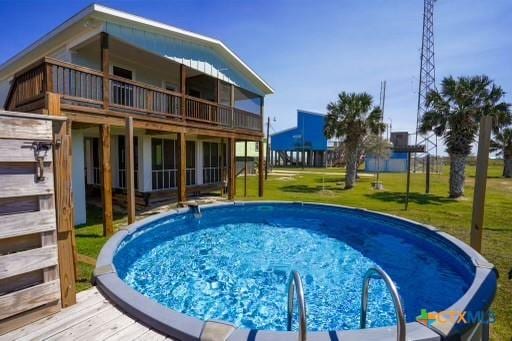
{"points": [[121, 150], [163, 163], [248, 101], [120, 72], [211, 162]]}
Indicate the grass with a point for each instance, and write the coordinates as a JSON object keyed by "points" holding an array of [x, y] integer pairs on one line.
{"points": [[326, 185]]}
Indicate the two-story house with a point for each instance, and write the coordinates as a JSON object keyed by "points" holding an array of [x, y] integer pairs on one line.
{"points": [[189, 96]]}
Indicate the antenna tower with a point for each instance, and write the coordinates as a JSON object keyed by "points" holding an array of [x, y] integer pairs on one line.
{"points": [[427, 78]]}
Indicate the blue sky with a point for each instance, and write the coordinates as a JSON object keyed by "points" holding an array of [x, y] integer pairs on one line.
{"points": [[311, 50]]}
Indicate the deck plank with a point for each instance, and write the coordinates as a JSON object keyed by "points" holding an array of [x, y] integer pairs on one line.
{"points": [[87, 301], [108, 329], [92, 318], [93, 322], [131, 332], [151, 335]]}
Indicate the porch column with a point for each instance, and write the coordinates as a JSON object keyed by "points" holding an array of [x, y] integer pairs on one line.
{"points": [[130, 170], [105, 64], [182, 174], [106, 180], [261, 175], [231, 168]]}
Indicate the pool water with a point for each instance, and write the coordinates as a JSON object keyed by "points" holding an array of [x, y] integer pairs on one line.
{"points": [[233, 263]]}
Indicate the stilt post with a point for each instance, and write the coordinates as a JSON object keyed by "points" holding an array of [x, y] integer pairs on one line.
{"points": [[130, 171], [245, 168], [106, 181], [261, 177], [231, 169], [182, 165]]}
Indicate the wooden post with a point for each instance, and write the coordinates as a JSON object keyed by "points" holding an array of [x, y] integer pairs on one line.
{"points": [[106, 181], [261, 176], [231, 169], [105, 65], [482, 161], [182, 165], [427, 178], [245, 168], [62, 165], [408, 180], [130, 171], [221, 161], [183, 90]]}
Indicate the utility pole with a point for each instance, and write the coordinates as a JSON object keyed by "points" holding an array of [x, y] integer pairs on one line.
{"points": [[267, 148]]}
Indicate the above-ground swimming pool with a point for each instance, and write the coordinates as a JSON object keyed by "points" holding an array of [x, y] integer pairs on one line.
{"points": [[231, 263]]}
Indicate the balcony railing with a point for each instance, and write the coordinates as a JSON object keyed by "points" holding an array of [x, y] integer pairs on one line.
{"points": [[83, 86]]}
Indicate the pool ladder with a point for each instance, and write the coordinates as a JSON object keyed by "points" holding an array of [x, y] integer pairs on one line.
{"points": [[295, 284], [376, 272]]}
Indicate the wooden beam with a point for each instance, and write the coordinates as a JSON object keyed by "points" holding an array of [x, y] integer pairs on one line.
{"points": [[106, 180], [245, 168], [182, 165], [482, 162], [231, 169], [261, 175], [105, 68], [130, 171], [62, 163]]}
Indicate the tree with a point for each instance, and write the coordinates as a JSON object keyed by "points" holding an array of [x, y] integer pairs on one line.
{"points": [[502, 145], [352, 117], [454, 114]]}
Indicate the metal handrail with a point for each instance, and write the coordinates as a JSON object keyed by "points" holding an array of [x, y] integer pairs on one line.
{"points": [[400, 327], [294, 281]]}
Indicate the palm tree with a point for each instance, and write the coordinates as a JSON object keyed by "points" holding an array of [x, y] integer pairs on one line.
{"points": [[502, 145], [454, 114], [352, 117]]}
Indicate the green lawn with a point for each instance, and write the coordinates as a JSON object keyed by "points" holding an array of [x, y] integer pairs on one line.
{"points": [[452, 216]]}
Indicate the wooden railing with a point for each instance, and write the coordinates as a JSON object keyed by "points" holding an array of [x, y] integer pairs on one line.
{"points": [[84, 87]]}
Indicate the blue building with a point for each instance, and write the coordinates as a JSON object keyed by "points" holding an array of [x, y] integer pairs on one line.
{"points": [[304, 145]]}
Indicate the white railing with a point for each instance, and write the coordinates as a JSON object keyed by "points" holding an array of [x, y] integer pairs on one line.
{"points": [[211, 175], [164, 179]]}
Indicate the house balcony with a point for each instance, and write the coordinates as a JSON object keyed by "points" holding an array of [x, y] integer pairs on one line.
{"points": [[99, 93]]}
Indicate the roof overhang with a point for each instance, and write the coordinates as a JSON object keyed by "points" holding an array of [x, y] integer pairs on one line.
{"points": [[105, 14]]}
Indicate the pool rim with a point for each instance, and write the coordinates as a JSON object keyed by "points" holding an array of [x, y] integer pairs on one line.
{"points": [[185, 327]]}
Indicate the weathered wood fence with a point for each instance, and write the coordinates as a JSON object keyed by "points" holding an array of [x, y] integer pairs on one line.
{"points": [[36, 257]]}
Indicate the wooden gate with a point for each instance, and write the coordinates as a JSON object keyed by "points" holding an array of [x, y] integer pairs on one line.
{"points": [[30, 246]]}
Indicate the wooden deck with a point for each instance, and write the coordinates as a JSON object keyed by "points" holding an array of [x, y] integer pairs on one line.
{"points": [[92, 318]]}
